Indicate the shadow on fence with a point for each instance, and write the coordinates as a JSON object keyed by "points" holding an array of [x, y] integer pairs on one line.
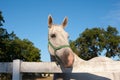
{"points": [[78, 76]]}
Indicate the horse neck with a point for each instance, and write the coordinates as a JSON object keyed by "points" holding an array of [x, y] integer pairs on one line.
{"points": [[77, 60]]}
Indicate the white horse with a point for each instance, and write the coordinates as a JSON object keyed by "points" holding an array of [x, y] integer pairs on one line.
{"points": [[61, 52], [59, 45]]}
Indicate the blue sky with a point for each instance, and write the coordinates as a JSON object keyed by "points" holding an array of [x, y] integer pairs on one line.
{"points": [[28, 18]]}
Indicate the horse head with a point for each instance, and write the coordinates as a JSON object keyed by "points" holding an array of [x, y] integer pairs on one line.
{"points": [[58, 43]]}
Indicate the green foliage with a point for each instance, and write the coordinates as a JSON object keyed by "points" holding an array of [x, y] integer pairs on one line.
{"points": [[1, 19], [11, 47], [92, 42]]}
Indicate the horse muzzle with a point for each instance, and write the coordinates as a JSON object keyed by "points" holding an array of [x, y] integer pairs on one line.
{"points": [[67, 58]]}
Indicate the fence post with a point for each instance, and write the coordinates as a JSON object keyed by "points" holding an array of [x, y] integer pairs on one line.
{"points": [[16, 70]]}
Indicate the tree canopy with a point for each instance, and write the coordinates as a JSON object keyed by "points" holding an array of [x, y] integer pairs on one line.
{"points": [[97, 41], [1, 19], [12, 47]]}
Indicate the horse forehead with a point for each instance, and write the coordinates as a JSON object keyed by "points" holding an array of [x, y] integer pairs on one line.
{"points": [[56, 28]]}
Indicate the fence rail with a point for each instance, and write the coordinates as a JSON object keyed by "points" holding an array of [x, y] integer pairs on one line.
{"points": [[6, 67], [17, 67]]}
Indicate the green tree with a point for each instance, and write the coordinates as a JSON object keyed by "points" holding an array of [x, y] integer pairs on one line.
{"points": [[24, 50], [92, 42], [1, 19], [11, 47], [113, 41]]}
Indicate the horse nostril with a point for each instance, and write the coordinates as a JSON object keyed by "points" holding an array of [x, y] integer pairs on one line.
{"points": [[53, 35]]}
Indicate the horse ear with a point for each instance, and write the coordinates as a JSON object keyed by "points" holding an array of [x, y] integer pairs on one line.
{"points": [[50, 21], [65, 21]]}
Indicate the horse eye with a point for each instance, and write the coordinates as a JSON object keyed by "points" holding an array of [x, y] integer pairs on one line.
{"points": [[53, 35]]}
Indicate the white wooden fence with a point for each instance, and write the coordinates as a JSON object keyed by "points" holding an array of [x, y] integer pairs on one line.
{"points": [[17, 67]]}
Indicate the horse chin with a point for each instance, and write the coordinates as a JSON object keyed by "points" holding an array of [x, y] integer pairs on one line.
{"points": [[69, 65]]}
